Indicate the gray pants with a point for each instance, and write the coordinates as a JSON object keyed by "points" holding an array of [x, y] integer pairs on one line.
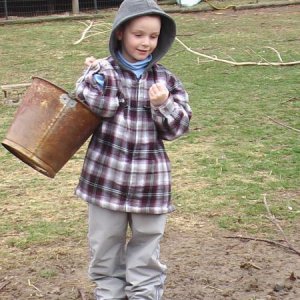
{"points": [[121, 270]]}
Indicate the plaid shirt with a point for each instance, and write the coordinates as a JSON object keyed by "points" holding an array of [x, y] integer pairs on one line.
{"points": [[126, 167]]}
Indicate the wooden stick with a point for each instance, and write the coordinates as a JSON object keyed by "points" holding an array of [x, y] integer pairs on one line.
{"points": [[273, 219], [89, 26], [4, 284], [249, 265], [247, 238], [81, 294], [32, 285], [290, 100], [87, 33], [234, 63], [277, 52], [212, 287], [281, 124]]}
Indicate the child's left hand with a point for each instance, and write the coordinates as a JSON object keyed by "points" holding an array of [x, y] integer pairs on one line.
{"points": [[92, 62], [89, 61], [158, 94]]}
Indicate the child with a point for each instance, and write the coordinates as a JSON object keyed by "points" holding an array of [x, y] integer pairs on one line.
{"points": [[126, 173]]}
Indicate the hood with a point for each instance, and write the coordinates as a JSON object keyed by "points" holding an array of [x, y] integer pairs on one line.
{"points": [[130, 9]]}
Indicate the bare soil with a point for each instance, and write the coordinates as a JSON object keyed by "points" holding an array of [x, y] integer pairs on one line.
{"points": [[202, 264]]}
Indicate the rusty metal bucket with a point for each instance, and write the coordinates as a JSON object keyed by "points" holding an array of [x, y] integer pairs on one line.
{"points": [[49, 127]]}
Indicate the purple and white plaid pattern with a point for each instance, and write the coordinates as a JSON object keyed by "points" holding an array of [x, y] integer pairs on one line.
{"points": [[126, 167]]}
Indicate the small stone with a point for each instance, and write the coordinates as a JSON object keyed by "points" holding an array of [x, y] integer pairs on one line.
{"points": [[278, 287]]}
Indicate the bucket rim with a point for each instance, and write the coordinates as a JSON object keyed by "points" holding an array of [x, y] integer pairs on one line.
{"points": [[65, 92], [48, 81], [29, 158]]}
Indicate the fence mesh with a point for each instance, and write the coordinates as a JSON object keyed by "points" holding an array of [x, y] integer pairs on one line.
{"points": [[31, 8]]}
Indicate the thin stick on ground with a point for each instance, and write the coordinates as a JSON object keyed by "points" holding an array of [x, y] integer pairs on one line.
{"points": [[3, 285], [88, 32], [290, 100], [248, 238], [274, 221], [32, 285], [283, 125], [276, 51], [88, 27], [82, 294], [212, 287], [246, 63]]}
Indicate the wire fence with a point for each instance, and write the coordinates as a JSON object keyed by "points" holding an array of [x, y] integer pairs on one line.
{"points": [[31, 8]]}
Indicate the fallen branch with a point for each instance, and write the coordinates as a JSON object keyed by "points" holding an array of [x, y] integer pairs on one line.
{"points": [[212, 287], [277, 52], [291, 100], [87, 33], [283, 125], [84, 32], [32, 285], [11, 234], [235, 63], [81, 294], [247, 238], [4, 284], [249, 265], [273, 219]]}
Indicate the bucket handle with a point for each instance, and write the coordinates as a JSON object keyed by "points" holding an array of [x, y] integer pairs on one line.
{"points": [[85, 73], [72, 94]]}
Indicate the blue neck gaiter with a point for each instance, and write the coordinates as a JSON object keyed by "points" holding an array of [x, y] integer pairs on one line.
{"points": [[138, 67]]}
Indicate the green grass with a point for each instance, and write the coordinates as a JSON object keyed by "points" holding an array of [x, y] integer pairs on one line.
{"points": [[233, 155], [41, 232]]}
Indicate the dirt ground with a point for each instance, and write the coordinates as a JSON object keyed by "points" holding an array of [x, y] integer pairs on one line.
{"points": [[202, 264]]}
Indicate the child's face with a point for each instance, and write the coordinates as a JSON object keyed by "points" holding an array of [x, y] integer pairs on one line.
{"points": [[139, 37]]}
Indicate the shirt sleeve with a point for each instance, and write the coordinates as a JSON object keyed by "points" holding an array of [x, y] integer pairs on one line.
{"points": [[172, 118], [98, 89]]}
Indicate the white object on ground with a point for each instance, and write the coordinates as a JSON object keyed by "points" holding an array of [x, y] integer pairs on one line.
{"points": [[188, 2]]}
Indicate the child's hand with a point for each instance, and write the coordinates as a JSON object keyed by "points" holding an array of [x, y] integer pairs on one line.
{"points": [[158, 94], [89, 60]]}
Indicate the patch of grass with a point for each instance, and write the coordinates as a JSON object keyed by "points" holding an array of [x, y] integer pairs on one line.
{"points": [[235, 150], [48, 273], [42, 233]]}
